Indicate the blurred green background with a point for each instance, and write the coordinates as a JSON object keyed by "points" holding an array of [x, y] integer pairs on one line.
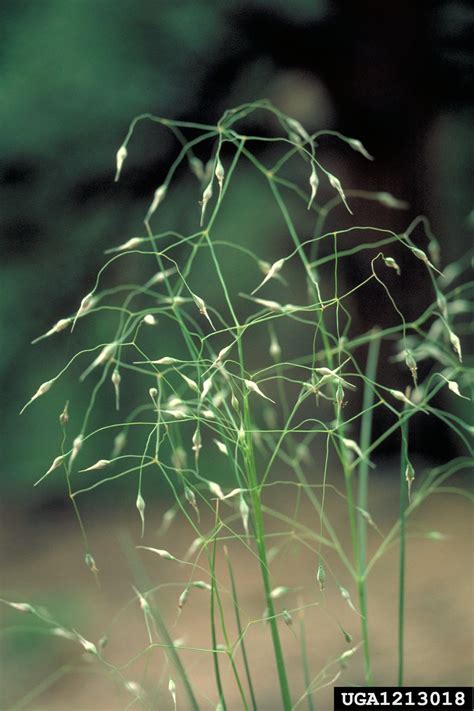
{"points": [[73, 75]]}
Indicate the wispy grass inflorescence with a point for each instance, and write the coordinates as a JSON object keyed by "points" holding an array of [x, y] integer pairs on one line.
{"points": [[247, 386]]}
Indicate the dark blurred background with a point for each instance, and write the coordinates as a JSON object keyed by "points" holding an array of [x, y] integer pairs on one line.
{"points": [[73, 73]]}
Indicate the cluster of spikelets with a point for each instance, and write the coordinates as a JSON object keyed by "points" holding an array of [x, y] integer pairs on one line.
{"points": [[210, 399]]}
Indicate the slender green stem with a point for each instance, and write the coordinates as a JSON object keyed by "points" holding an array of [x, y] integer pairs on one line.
{"points": [[401, 576], [362, 499]]}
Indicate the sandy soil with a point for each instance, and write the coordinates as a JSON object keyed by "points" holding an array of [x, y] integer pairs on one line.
{"points": [[42, 562]]}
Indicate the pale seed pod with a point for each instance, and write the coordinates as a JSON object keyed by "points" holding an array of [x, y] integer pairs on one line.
{"points": [[166, 360], [194, 547], [287, 618], [271, 305], [398, 395], [90, 562], [424, 258], [191, 383], [119, 443], [390, 201], [116, 379], [179, 458], [206, 386], [321, 577], [220, 174], [278, 592], [160, 277], [196, 442], [150, 320], [41, 391], [20, 606], [140, 504], [62, 632], [86, 304], [409, 478], [201, 585], [172, 690], [59, 326], [275, 350], [88, 646], [234, 402], [120, 159], [336, 184], [191, 499], [183, 598], [347, 597], [215, 489], [207, 195], [197, 168], [56, 464], [410, 362], [166, 521], [274, 269], [200, 303], [356, 145], [134, 688], [129, 244], [254, 388], [454, 387], [64, 416], [158, 198], [100, 464], [153, 393], [313, 183], [392, 264], [159, 551], [244, 513], [221, 447], [76, 447], [297, 128], [142, 600], [456, 344], [350, 444]]}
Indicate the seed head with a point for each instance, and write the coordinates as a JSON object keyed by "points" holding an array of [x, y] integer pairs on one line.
{"points": [[456, 344], [215, 489], [121, 156], [391, 263], [221, 447], [279, 592], [158, 198], [336, 184], [196, 442], [90, 562], [411, 365], [129, 244], [272, 271], [356, 145], [313, 183], [100, 464], [64, 416], [56, 464], [254, 388], [41, 391], [172, 690], [140, 504], [119, 443], [191, 383], [207, 195], [244, 513], [390, 201], [321, 577], [409, 477], [116, 380], [220, 174], [150, 320], [76, 447]]}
